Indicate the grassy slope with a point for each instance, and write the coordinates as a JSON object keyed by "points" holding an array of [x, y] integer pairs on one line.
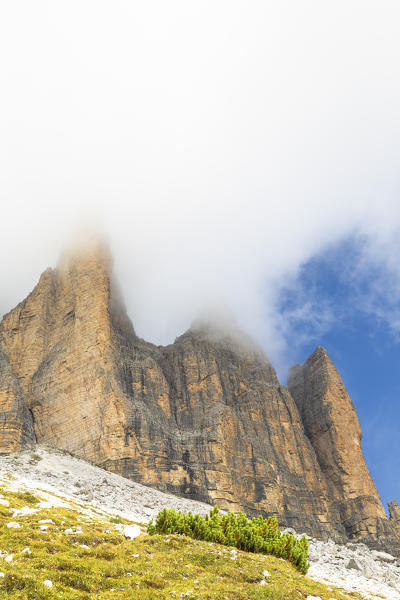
{"points": [[145, 568]]}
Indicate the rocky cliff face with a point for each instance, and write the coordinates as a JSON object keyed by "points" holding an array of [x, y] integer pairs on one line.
{"points": [[16, 423], [204, 417], [209, 420], [332, 426], [394, 511]]}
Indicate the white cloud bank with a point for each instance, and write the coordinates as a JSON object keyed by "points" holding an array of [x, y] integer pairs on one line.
{"points": [[220, 144]]}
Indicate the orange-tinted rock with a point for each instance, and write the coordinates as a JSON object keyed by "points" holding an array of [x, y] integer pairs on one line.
{"points": [[331, 424], [394, 511], [204, 417], [58, 342]]}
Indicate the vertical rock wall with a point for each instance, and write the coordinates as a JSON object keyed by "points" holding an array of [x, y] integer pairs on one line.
{"points": [[16, 424], [331, 424], [209, 420], [204, 417], [394, 511], [58, 342]]}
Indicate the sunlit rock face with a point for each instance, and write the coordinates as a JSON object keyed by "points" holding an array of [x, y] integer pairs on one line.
{"points": [[205, 417], [332, 426]]}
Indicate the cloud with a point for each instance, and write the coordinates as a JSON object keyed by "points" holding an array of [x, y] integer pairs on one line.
{"points": [[221, 146]]}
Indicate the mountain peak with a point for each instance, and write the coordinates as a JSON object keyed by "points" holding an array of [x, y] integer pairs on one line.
{"points": [[204, 417], [331, 423], [84, 249]]}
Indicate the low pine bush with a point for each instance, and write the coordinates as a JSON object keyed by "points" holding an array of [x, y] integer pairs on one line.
{"points": [[252, 535]]}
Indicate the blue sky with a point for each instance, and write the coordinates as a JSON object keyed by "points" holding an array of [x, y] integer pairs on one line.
{"points": [[363, 347]]}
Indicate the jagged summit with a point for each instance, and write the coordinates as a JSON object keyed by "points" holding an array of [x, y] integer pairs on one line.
{"points": [[224, 332], [332, 426], [204, 417]]}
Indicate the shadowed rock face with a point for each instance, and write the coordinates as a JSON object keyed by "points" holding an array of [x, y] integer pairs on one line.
{"points": [[209, 420], [204, 417], [394, 511], [16, 424]]}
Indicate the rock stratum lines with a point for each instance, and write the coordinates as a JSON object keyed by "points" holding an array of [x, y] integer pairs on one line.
{"points": [[204, 418]]}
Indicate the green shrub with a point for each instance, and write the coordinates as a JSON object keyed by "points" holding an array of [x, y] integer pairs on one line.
{"points": [[252, 535]]}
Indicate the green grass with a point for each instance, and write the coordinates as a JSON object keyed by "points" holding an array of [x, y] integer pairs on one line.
{"points": [[26, 497], [150, 567]]}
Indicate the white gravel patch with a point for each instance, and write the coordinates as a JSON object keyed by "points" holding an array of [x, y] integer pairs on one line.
{"points": [[24, 511], [355, 568], [75, 479], [61, 480], [129, 531]]}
